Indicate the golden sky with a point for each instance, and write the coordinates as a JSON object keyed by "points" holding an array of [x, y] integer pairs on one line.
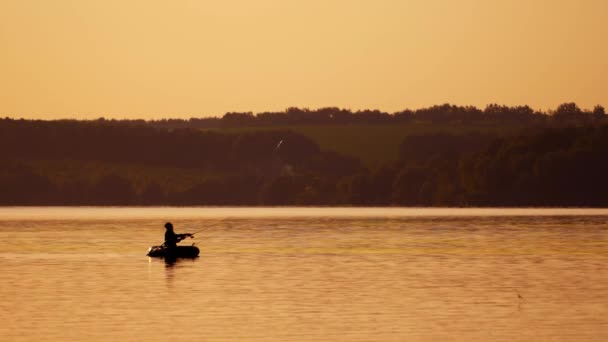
{"points": [[183, 58]]}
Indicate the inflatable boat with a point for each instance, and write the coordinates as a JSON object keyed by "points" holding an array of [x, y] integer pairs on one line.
{"points": [[176, 252]]}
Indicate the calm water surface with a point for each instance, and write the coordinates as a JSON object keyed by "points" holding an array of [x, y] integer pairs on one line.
{"points": [[305, 274]]}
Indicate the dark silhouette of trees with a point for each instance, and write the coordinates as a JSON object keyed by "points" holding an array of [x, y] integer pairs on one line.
{"points": [[551, 159], [563, 166], [599, 112], [421, 148], [153, 194], [240, 168], [113, 190], [21, 185], [492, 115]]}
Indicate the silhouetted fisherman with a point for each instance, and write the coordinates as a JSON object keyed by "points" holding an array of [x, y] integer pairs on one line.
{"points": [[171, 239]]}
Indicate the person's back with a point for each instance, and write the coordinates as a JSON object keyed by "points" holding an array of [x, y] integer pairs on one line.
{"points": [[170, 236]]}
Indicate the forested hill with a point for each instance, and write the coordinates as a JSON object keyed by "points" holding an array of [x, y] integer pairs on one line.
{"points": [[557, 160]]}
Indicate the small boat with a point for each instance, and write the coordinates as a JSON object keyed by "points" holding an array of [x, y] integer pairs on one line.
{"points": [[177, 252]]}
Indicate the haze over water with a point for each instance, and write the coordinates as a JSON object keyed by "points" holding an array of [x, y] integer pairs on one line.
{"points": [[305, 274]]}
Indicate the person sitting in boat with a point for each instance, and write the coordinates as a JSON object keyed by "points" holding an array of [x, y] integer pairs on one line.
{"points": [[171, 239]]}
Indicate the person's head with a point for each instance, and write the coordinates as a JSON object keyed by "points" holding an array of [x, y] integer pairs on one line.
{"points": [[168, 226]]}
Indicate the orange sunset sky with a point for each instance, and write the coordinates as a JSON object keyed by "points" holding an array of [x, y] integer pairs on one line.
{"points": [[158, 58]]}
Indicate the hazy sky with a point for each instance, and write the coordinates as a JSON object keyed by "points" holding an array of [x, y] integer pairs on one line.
{"points": [[183, 58]]}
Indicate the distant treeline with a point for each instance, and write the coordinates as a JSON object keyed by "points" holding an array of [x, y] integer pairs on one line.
{"points": [[440, 114], [49, 163]]}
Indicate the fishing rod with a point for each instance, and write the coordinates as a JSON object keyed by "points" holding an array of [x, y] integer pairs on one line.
{"points": [[198, 231]]}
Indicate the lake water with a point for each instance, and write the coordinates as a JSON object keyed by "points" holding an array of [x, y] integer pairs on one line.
{"points": [[305, 274]]}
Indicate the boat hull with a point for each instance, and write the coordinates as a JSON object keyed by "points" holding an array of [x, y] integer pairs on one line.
{"points": [[177, 252]]}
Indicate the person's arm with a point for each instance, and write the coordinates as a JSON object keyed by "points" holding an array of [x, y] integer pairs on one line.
{"points": [[182, 236]]}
